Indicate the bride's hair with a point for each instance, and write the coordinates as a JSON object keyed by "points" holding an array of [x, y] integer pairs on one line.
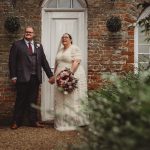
{"points": [[60, 44], [70, 37]]}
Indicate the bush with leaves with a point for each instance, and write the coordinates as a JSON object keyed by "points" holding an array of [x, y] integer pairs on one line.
{"points": [[119, 115]]}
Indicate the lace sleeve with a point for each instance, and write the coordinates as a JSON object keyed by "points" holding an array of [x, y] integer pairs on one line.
{"points": [[76, 53]]}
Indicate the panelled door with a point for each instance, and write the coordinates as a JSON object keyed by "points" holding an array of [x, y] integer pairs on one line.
{"points": [[54, 25]]}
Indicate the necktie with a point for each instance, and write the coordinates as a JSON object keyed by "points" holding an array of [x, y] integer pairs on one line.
{"points": [[30, 48]]}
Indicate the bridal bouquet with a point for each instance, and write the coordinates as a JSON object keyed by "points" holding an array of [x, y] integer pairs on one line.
{"points": [[66, 82]]}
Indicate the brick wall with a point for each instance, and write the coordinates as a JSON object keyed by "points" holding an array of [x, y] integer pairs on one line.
{"points": [[107, 52]]}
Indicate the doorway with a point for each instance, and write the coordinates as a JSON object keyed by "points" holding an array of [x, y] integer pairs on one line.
{"points": [[59, 17]]}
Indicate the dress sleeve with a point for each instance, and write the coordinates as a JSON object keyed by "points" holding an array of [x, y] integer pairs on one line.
{"points": [[76, 53]]}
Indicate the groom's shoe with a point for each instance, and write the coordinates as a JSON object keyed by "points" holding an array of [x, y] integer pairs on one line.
{"points": [[14, 126]]}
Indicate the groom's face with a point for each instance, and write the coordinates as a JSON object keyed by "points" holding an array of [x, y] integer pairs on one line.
{"points": [[29, 33]]}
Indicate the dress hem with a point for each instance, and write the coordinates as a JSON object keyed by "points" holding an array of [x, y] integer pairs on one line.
{"points": [[65, 128]]}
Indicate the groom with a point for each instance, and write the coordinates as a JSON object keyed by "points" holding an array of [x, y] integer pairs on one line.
{"points": [[26, 61]]}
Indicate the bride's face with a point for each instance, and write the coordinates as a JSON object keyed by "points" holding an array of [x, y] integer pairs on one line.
{"points": [[66, 41]]}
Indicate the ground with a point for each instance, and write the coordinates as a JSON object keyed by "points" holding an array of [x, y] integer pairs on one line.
{"points": [[29, 138]]}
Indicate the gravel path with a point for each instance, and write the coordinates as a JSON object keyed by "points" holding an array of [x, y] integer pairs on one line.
{"points": [[28, 138]]}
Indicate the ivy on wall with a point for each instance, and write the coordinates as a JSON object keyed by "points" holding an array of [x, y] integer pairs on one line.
{"points": [[145, 22]]}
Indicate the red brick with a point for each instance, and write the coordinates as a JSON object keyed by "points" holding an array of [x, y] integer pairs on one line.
{"points": [[107, 52]]}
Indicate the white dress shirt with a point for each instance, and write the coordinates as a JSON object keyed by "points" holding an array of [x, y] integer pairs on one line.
{"points": [[32, 44]]}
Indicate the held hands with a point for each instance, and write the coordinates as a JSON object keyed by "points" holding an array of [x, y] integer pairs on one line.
{"points": [[13, 81], [51, 80]]}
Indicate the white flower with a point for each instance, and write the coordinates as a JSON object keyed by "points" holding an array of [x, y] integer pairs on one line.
{"points": [[65, 92], [37, 45]]}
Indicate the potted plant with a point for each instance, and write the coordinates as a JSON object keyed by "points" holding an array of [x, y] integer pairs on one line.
{"points": [[12, 24], [113, 24]]}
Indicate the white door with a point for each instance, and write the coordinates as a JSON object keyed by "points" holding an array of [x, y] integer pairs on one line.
{"points": [[55, 24]]}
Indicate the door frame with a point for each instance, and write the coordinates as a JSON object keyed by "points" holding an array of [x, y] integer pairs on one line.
{"points": [[44, 41]]}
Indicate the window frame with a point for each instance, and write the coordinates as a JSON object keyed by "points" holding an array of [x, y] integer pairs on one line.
{"points": [[83, 4], [137, 44]]}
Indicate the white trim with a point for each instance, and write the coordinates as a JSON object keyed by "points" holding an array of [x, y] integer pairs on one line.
{"points": [[44, 89], [144, 44], [136, 38], [82, 2], [71, 3], [64, 10], [136, 49], [144, 14]]}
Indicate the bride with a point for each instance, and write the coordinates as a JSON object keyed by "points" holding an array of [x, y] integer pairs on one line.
{"points": [[70, 108]]}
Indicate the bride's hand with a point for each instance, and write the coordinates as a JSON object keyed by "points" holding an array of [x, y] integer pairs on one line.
{"points": [[51, 80]]}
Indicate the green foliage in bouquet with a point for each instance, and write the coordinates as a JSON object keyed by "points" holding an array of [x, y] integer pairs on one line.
{"points": [[119, 115]]}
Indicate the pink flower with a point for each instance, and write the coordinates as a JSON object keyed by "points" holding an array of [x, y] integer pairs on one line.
{"points": [[66, 82]]}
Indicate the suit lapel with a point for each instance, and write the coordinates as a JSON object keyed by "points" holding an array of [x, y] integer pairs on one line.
{"points": [[25, 49], [24, 46]]}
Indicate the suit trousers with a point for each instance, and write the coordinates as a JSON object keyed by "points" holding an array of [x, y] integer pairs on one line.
{"points": [[27, 93]]}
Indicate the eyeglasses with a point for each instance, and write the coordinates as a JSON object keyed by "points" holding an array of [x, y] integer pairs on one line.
{"points": [[28, 32], [65, 37]]}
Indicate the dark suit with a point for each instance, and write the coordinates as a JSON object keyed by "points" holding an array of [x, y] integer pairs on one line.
{"points": [[27, 85]]}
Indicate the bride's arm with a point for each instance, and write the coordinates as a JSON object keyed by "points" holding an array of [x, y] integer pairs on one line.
{"points": [[76, 58], [75, 65], [55, 68], [52, 80]]}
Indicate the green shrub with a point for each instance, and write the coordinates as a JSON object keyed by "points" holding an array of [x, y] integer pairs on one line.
{"points": [[114, 24], [119, 115]]}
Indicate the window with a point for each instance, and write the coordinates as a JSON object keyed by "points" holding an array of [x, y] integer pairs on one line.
{"points": [[63, 4], [142, 47], [143, 50]]}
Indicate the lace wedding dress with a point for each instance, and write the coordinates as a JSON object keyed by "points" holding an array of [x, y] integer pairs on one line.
{"points": [[70, 108]]}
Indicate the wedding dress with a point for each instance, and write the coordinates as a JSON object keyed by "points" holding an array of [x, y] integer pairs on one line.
{"points": [[70, 108]]}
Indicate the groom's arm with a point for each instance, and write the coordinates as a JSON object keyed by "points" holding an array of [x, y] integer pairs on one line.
{"points": [[45, 64]]}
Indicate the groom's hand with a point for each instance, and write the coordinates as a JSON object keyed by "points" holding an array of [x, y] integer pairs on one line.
{"points": [[14, 80], [51, 80]]}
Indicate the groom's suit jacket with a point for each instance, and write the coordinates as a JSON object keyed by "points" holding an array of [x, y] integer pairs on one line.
{"points": [[20, 62]]}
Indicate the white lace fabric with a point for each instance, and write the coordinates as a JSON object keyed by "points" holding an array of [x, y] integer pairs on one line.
{"points": [[69, 109]]}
